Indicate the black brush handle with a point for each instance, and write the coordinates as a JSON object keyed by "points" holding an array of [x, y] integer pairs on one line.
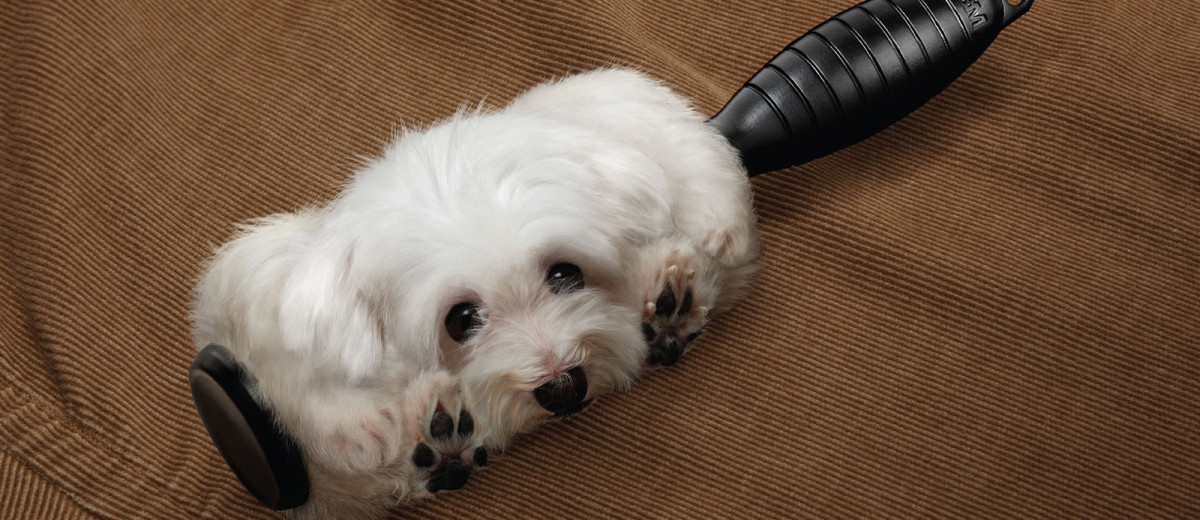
{"points": [[855, 74]]}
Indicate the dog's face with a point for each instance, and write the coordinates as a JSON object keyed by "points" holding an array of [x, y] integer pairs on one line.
{"points": [[543, 340], [510, 255]]}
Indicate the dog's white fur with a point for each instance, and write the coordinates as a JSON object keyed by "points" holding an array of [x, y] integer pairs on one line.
{"points": [[339, 312]]}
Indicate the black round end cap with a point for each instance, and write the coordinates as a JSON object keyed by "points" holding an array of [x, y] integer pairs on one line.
{"points": [[265, 459]]}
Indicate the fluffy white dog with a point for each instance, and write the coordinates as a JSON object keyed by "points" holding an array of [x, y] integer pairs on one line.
{"points": [[482, 276]]}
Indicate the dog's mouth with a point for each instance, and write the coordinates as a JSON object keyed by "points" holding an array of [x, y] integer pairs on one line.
{"points": [[565, 395]]}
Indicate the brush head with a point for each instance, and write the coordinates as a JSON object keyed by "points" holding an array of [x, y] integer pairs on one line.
{"points": [[856, 74]]}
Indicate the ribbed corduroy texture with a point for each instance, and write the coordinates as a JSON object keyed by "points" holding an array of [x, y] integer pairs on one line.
{"points": [[989, 310]]}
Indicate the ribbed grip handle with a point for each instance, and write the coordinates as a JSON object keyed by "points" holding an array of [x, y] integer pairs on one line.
{"points": [[855, 74]]}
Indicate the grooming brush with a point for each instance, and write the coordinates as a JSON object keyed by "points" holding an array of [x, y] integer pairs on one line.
{"points": [[843, 81]]}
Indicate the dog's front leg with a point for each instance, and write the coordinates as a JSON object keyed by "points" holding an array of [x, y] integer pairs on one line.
{"points": [[421, 433]]}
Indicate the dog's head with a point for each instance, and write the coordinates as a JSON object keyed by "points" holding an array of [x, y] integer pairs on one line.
{"points": [[495, 245]]}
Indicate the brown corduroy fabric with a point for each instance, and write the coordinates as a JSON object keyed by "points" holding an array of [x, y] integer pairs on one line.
{"points": [[28, 495], [989, 310]]}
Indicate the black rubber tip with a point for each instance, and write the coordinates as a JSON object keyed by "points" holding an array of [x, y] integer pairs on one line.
{"points": [[265, 459]]}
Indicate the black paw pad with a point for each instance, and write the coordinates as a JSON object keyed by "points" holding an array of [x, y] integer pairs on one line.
{"points": [[452, 476], [666, 352], [649, 333], [423, 456], [665, 306], [480, 457], [441, 425], [685, 306], [466, 424]]}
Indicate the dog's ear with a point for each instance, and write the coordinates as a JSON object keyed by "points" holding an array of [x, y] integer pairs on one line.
{"points": [[323, 313], [265, 459]]}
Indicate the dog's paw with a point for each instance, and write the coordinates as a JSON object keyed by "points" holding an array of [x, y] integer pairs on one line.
{"points": [[449, 445], [448, 454], [672, 315]]}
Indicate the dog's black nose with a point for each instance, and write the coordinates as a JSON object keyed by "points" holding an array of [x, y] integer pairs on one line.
{"points": [[564, 396]]}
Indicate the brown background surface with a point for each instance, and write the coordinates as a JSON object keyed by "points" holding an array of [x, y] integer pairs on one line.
{"points": [[991, 309]]}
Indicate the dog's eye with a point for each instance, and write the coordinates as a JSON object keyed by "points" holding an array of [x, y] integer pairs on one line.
{"points": [[462, 321], [564, 278]]}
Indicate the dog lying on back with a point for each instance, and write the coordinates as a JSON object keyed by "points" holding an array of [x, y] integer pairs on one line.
{"points": [[482, 276]]}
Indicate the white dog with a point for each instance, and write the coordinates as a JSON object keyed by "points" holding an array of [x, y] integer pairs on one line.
{"points": [[484, 275]]}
